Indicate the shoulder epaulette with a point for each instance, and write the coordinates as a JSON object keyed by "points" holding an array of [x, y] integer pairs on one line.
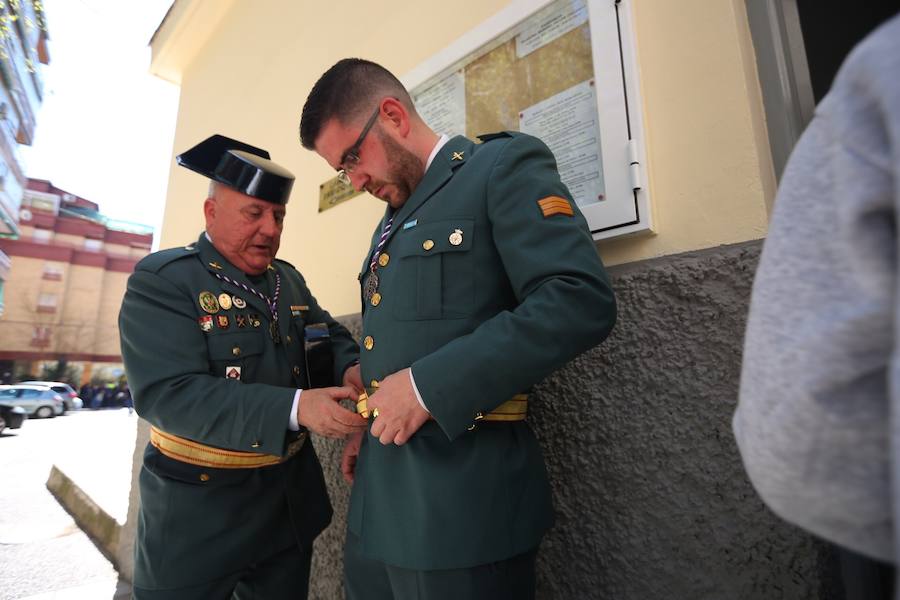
{"points": [[281, 260], [494, 136], [156, 261]]}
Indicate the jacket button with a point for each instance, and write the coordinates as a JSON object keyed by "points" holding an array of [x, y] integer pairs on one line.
{"points": [[384, 259], [296, 370], [374, 384], [255, 444], [428, 244], [368, 342], [236, 350], [288, 338], [376, 299], [204, 477]]}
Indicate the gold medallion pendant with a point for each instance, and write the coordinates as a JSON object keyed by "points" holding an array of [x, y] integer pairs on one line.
{"points": [[371, 286]]}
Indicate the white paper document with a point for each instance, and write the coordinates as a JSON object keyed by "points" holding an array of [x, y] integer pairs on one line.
{"points": [[556, 20], [443, 105], [567, 123]]}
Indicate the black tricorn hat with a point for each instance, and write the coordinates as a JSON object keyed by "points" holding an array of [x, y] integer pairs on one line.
{"points": [[240, 166]]}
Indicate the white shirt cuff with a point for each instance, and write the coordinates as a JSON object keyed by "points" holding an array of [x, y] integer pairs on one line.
{"points": [[412, 380], [293, 425]]}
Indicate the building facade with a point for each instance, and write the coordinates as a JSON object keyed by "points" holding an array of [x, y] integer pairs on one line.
{"points": [[23, 51], [69, 267]]}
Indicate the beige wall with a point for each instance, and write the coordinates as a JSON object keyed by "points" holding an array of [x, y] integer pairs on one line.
{"points": [[708, 170]]}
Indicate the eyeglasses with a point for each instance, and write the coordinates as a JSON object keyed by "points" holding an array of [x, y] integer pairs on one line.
{"points": [[351, 156]]}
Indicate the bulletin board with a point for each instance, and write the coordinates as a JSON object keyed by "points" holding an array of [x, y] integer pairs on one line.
{"points": [[562, 70]]}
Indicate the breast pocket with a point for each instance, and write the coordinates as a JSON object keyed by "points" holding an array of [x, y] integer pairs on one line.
{"points": [[235, 349], [434, 277]]}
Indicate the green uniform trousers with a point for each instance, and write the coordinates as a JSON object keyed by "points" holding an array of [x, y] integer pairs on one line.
{"points": [[369, 579], [284, 576]]}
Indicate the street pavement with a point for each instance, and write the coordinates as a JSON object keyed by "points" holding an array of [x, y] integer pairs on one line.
{"points": [[45, 556]]}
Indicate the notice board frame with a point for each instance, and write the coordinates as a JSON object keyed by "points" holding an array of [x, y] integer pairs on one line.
{"points": [[625, 208]]}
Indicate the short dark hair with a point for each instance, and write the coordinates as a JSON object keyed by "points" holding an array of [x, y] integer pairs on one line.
{"points": [[349, 89]]}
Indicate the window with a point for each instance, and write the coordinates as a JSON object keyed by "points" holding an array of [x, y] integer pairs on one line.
{"points": [[42, 236], [46, 303], [93, 245], [40, 337], [52, 271]]}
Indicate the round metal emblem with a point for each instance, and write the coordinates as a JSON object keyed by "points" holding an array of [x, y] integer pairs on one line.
{"points": [[456, 237], [224, 301], [239, 302], [208, 302], [384, 259]]}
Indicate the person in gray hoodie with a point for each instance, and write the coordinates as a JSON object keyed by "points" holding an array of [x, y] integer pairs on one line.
{"points": [[818, 420]]}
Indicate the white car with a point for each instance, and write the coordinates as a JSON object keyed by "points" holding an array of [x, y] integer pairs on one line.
{"points": [[69, 395], [37, 400]]}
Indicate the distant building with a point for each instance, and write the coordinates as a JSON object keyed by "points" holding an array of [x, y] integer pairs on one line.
{"points": [[69, 268], [23, 49]]}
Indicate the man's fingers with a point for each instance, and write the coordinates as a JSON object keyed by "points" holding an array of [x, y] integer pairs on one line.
{"points": [[401, 438], [341, 393], [347, 417]]}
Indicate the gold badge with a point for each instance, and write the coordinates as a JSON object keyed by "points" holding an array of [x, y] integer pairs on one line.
{"points": [[457, 156], [456, 237], [384, 259], [224, 301], [215, 265], [428, 244], [208, 302]]}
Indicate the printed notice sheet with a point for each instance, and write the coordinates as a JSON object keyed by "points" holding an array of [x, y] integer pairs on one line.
{"points": [[555, 21], [443, 105], [567, 123]]}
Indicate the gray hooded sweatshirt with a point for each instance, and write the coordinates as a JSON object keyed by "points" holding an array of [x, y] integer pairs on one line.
{"points": [[818, 421]]}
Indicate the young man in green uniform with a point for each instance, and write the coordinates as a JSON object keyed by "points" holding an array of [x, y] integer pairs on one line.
{"points": [[482, 279], [218, 339]]}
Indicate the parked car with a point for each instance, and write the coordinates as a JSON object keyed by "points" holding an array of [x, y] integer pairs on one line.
{"points": [[70, 396], [11, 416], [37, 400]]}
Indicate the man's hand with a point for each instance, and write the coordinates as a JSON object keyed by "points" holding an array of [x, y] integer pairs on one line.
{"points": [[353, 378], [348, 458], [321, 412], [399, 413]]}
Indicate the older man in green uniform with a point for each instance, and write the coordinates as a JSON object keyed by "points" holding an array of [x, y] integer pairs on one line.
{"points": [[482, 279], [218, 339]]}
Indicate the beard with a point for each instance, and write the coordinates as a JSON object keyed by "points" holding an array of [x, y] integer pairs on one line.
{"points": [[406, 172]]}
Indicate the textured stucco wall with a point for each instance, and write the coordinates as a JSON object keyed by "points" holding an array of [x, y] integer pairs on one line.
{"points": [[651, 498]]}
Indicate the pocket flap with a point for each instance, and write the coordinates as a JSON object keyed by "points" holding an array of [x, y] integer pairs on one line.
{"points": [[235, 345], [450, 235]]}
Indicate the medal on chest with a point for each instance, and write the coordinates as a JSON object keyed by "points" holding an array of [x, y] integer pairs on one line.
{"points": [[370, 286]]}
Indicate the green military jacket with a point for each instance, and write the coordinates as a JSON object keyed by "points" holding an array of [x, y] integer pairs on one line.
{"points": [[483, 295], [198, 523]]}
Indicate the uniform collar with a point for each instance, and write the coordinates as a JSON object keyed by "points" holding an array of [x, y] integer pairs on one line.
{"points": [[449, 157]]}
